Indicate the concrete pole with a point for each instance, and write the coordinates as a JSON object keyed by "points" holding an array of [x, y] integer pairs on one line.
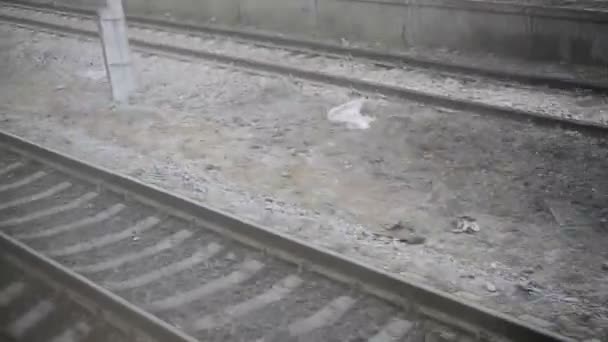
{"points": [[115, 42]]}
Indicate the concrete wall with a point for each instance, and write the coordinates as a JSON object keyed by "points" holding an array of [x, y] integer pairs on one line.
{"points": [[504, 29]]}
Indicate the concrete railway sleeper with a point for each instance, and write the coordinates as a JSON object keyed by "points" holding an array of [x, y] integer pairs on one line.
{"points": [[199, 271], [457, 91]]}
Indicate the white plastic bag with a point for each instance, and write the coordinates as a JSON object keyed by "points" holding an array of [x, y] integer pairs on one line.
{"points": [[350, 113]]}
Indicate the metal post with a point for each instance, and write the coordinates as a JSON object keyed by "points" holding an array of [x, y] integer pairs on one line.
{"points": [[115, 42]]}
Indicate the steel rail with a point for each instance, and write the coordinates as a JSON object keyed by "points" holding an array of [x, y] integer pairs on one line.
{"points": [[405, 293], [398, 59]]}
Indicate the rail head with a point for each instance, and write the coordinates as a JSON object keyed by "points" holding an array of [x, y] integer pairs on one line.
{"points": [[428, 301]]}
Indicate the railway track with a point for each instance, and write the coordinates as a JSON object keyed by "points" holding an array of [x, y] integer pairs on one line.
{"points": [[458, 91], [213, 276], [389, 59], [41, 300]]}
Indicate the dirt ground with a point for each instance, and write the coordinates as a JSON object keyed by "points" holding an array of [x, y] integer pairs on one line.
{"points": [[261, 147]]}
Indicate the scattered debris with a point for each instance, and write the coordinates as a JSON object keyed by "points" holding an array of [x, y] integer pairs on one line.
{"points": [[350, 113], [529, 287], [490, 287], [404, 232], [466, 224]]}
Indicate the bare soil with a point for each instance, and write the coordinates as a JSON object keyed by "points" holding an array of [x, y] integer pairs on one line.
{"points": [[261, 147]]}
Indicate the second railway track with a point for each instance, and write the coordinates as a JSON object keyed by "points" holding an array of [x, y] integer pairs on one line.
{"points": [[214, 276], [458, 91], [389, 59]]}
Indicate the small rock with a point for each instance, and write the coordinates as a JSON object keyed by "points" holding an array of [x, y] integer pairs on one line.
{"points": [[403, 232], [211, 167], [413, 239], [605, 266], [527, 271], [490, 287], [285, 174]]}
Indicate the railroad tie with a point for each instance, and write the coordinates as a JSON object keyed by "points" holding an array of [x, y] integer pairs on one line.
{"points": [[245, 271], [67, 227], [52, 191], [165, 244], [23, 181], [198, 257], [49, 211]]}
